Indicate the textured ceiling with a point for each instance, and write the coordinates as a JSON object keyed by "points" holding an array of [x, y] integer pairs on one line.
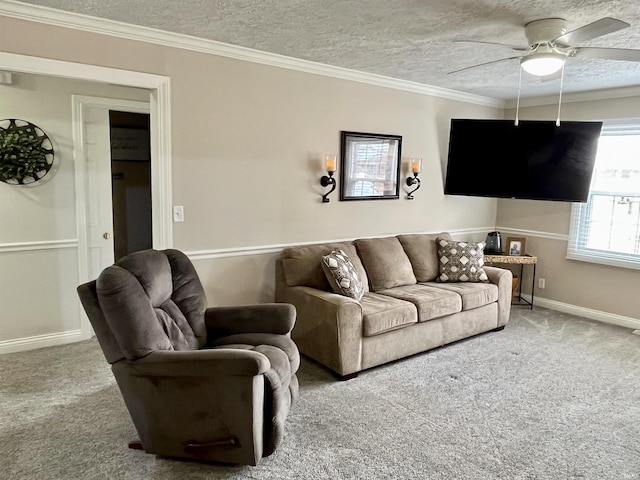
{"points": [[406, 39]]}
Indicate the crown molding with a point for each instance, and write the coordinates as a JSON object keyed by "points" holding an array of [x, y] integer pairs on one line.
{"points": [[587, 96], [114, 28]]}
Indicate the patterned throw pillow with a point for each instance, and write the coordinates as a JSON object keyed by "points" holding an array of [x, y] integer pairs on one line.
{"points": [[461, 261], [342, 275]]}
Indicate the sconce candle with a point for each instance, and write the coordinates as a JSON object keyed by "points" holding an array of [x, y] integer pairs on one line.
{"points": [[330, 162], [416, 164]]}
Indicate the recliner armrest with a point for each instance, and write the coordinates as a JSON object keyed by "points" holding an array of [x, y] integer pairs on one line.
{"points": [[200, 363], [278, 318]]}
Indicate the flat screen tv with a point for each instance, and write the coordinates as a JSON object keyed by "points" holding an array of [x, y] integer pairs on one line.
{"points": [[534, 160]]}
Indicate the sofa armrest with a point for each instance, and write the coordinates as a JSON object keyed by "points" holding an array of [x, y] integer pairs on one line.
{"points": [[502, 278], [200, 363], [328, 328], [277, 318]]}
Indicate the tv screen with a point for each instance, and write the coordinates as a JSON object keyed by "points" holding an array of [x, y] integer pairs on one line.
{"points": [[534, 160]]}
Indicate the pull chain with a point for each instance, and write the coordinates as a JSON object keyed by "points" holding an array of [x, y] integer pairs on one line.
{"points": [[518, 102], [560, 98]]}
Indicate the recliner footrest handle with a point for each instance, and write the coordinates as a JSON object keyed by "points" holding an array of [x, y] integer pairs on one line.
{"points": [[196, 448]]}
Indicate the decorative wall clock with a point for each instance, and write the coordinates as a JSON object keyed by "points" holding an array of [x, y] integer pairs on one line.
{"points": [[26, 152]]}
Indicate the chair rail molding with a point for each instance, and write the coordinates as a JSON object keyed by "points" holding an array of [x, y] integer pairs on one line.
{"points": [[563, 237], [39, 245], [276, 248]]}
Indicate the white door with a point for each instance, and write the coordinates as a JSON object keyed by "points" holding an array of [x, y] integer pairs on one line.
{"points": [[93, 143], [99, 213]]}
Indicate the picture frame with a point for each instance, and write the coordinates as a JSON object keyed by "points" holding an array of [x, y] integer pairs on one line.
{"points": [[516, 246], [370, 166]]}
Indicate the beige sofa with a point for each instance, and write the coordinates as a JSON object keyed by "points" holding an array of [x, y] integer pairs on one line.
{"points": [[404, 311]]}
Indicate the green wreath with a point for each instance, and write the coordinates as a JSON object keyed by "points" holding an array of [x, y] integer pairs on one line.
{"points": [[26, 153]]}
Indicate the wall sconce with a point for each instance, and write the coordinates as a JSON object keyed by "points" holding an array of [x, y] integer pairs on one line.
{"points": [[330, 162], [416, 165]]}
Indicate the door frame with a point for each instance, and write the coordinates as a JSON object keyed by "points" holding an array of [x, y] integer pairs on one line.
{"points": [[79, 103], [160, 126]]}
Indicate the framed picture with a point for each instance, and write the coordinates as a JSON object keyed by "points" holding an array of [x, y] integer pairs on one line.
{"points": [[370, 166], [515, 246]]}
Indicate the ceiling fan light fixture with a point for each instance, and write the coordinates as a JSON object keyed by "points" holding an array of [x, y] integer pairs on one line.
{"points": [[542, 64]]}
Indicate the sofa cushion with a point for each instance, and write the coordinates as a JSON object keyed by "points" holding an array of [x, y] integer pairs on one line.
{"points": [[386, 263], [431, 302], [302, 266], [473, 295], [461, 261], [342, 275], [423, 254], [381, 313]]}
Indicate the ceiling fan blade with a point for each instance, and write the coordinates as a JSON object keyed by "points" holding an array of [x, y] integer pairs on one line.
{"points": [[517, 48], [624, 54], [589, 32], [482, 65]]}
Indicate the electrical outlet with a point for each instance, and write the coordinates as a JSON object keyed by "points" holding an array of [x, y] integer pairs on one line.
{"points": [[541, 283], [178, 213]]}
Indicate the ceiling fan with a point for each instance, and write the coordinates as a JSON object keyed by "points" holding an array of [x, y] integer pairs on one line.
{"points": [[550, 45]]}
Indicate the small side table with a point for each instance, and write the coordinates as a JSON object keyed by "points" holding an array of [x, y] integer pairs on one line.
{"points": [[521, 260]]}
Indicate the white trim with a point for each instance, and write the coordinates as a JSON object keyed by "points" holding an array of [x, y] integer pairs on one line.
{"points": [[603, 259], [41, 341], [59, 68], [41, 245], [161, 192], [563, 237], [277, 248], [77, 135], [589, 313], [233, 252], [588, 96], [102, 26]]}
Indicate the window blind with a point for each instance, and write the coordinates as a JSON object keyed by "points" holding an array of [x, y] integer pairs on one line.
{"points": [[606, 229]]}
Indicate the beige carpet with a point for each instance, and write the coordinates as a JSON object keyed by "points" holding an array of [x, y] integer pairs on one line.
{"points": [[551, 397]]}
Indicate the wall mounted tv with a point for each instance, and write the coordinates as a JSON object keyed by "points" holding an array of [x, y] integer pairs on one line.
{"points": [[534, 160]]}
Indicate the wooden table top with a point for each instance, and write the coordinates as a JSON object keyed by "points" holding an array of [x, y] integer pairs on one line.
{"points": [[514, 259]]}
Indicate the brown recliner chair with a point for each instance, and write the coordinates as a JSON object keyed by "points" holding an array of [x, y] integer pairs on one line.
{"points": [[213, 384]]}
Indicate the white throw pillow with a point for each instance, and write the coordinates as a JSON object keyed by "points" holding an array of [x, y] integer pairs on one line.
{"points": [[342, 275]]}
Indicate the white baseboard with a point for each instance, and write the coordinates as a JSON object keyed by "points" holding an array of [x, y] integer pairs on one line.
{"points": [[589, 313], [41, 341]]}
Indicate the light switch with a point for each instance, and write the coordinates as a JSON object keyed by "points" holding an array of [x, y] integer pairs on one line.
{"points": [[178, 213]]}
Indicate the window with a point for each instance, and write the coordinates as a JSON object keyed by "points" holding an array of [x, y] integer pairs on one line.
{"points": [[606, 229]]}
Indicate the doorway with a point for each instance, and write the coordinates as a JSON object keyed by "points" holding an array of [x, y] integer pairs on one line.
{"points": [[159, 107], [130, 182], [108, 130]]}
